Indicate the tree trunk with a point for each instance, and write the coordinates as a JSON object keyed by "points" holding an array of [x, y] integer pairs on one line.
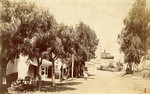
{"points": [[62, 73], [1, 76], [39, 78], [68, 72], [1, 51], [3, 65], [53, 74], [129, 68]]}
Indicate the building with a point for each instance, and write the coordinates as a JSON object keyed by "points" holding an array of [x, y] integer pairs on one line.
{"points": [[24, 67]]}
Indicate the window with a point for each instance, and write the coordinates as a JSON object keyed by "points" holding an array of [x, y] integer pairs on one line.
{"points": [[42, 71]]}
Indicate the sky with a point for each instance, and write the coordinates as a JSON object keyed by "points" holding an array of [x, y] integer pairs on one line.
{"points": [[105, 17]]}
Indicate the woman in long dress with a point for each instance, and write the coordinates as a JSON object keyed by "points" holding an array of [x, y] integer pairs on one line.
{"points": [[85, 73]]}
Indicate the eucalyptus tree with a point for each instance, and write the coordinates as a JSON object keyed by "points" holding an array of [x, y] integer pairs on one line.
{"points": [[21, 23], [54, 51], [8, 28], [87, 40], [85, 45], [68, 37], [134, 35], [39, 32], [80, 42]]}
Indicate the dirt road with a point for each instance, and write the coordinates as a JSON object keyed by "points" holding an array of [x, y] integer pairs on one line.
{"points": [[104, 82], [101, 82]]}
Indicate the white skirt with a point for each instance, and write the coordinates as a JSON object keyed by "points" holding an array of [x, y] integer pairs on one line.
{"points": [[85, 74]]}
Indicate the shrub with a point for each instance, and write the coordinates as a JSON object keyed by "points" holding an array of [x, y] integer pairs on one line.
{"points": [[145, 73], [145, 69], [111, 65], [119, 69], [101, 67]]}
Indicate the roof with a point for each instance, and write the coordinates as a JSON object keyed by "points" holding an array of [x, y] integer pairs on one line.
{"points": [[44, 62]]}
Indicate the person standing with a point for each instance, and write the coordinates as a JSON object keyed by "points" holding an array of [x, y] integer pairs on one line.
{"points": [[85, 73]]}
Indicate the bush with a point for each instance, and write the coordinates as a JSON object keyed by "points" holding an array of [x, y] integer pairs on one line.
{"points": [[145, 69], [111, 65], [144, 73], [101, 67], [119, 69]]}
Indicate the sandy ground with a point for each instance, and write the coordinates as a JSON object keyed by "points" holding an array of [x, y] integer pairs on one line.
{"points": [[101, 82]]}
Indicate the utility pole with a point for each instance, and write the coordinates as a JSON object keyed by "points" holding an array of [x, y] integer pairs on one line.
{"points": [[72, 58]]}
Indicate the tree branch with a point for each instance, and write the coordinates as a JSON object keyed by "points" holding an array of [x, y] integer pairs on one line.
{"points": [[38, 61], [55, 58], [7, 60], [41, 61]]}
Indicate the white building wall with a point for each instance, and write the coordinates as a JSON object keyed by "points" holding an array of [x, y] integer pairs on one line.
{"points": [[22, 67]]}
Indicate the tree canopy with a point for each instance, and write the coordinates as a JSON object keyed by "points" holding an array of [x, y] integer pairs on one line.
{"points": [[134, 36], [33, 31], [87, 40]]}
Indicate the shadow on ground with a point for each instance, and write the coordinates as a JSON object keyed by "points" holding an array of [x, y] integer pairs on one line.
{"points": [[64, 86], [90, 78], [68, 83], [47, 87], [56, 89], [91, 74]]}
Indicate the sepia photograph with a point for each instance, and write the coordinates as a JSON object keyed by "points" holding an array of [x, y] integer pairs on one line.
{"points": [[74, 46]]}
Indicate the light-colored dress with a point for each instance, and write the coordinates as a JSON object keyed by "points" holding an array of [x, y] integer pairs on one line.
{"points": [[85, 74]]}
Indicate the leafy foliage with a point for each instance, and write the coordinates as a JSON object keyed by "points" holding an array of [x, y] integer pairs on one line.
{"points": [[33, 31], [87, 41], [134, 35]]}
